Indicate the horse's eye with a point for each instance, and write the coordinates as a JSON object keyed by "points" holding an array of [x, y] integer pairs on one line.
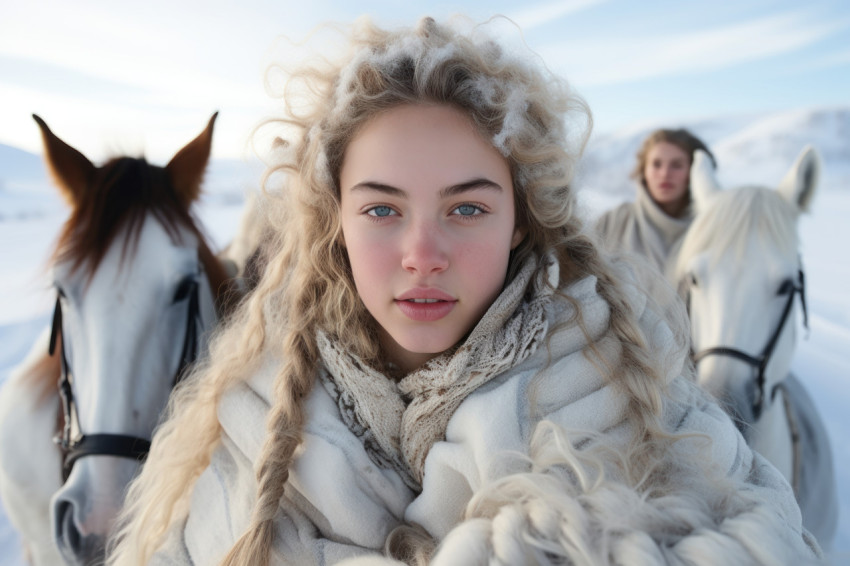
{"points": [[693, 280], [186, 286], [786, 287]]}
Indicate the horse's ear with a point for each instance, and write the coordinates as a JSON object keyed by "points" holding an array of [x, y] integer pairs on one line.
{"points": [[703, 181], [798, 186], [71, 170], [186, 168]]}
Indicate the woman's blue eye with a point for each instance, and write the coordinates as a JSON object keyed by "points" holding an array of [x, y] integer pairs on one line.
{"points": [[468, 210], [380, 211]]}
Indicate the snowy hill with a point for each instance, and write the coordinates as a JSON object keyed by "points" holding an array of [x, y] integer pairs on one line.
{"points": [[20, 169], [767, 145], [749, 149], [26, 191]]}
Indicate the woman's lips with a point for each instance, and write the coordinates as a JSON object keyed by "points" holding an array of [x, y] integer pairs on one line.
{"points": [[425, 306], [425, 311]]}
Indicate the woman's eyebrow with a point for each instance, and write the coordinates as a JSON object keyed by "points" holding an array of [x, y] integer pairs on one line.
{"points": [[479, 183], [453, 190], [380, 187]]}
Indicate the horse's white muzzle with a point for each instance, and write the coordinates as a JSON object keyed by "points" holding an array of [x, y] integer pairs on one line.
{"points": [[83, 511]]}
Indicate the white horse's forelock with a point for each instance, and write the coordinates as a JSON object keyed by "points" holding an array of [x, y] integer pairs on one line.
{"points": [[734, 218]]}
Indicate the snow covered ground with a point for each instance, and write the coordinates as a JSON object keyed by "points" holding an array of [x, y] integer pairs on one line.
{"points": [[755, 149]]}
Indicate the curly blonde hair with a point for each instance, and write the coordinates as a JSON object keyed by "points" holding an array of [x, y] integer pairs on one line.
{"points": [[307, 285]]}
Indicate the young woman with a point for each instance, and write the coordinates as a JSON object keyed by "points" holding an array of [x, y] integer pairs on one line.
{"points": [[437, 364], [653, 224]]}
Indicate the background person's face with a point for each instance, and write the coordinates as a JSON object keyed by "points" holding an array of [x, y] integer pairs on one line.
{"points": [[428, 221], [667, 172]]}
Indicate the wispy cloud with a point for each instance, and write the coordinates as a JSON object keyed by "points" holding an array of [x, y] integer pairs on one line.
{"points": [[540, 14], [110, 65], [117, 51], [102, 73], [836, 59], [612, 60]]}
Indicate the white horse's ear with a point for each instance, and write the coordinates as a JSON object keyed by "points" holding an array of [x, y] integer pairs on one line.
{"points": [[703, 181], [71, 170], [186, 168], [799, 184]]}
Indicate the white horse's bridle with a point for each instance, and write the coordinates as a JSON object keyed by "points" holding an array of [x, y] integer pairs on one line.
{"points": [[75, 447], [759, 363]]}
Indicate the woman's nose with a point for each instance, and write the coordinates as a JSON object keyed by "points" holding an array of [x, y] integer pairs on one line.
{"points": [[425, 249]]}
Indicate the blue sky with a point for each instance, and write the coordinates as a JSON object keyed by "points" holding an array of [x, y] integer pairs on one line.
{"points": [[113, 76]]}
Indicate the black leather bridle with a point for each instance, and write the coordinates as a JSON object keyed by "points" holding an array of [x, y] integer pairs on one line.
{"points": [[759, 363], [120, 445]]}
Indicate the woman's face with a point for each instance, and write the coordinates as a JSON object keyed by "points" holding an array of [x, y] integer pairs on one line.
{"points": [[667, 173], [428, 219]]}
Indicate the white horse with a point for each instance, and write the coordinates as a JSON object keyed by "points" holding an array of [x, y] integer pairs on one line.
{"points": [[137, 288], [741, 274]]}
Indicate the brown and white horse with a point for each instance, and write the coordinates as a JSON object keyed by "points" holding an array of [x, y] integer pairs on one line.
{"points": [[137, 291]]}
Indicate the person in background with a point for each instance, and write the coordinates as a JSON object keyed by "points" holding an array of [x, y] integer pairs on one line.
{"points": [[652, 226], [438, 366]]}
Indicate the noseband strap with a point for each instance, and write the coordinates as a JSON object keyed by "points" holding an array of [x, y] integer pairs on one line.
{"points": [[759, 363], [119, 445], [732, 353]]}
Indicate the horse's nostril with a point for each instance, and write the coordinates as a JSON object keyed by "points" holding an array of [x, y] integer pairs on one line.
{"points": [[68, 535], [76, 545]]}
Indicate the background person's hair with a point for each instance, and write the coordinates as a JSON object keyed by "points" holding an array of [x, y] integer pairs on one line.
{"points": [[528, 114]]}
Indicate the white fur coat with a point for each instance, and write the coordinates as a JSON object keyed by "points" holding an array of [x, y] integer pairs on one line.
{"points": [[490, 450]]}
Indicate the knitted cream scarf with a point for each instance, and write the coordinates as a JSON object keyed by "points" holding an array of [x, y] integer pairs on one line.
{"points": [[659, 231], [399, 434]]}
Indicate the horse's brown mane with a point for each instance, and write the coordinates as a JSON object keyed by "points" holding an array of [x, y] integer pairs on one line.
{"points": [[121, 193]]}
